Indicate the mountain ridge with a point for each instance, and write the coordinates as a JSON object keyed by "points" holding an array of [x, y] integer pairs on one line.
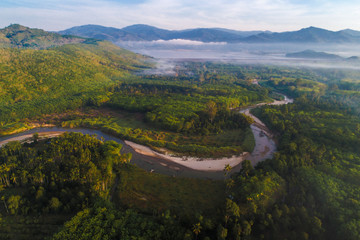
{"points": [[143, 32], [18, 36]]}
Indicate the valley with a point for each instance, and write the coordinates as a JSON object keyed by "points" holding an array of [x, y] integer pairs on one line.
{"points": [[299, 180]]}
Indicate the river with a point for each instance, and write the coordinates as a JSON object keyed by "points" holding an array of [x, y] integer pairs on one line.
{"points": [[264, 148]]}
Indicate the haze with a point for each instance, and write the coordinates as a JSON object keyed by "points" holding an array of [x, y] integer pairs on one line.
{"points": [[169, 52]]}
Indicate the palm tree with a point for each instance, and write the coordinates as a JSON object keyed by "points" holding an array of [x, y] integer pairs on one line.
{"points": [[197, 229], [23, 177], [13, 178], [227, 169], [5, 176]]}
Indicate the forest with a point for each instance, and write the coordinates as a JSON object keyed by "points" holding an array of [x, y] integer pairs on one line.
{"points": [[75, 186]]}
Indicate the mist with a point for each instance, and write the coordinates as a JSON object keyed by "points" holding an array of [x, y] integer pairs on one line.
{"points": [[168, 52]]}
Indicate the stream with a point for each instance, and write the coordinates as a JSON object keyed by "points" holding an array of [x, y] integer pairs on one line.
{"points": [[264, 148]]}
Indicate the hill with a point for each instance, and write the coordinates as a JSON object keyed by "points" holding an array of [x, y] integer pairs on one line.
{"points": [[313, 54], [321, 55], [35, 82], [17, 36], [102, 33], [141, 32]]}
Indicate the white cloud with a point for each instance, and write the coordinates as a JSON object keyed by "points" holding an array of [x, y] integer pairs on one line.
{"points": [[186, 42]]}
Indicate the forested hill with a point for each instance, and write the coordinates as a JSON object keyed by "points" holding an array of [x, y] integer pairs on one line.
{"points": [[17, 36], [35, 82]]}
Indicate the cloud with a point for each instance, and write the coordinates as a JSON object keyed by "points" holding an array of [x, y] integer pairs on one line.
{"points": [[274, 15], [186, 42]]}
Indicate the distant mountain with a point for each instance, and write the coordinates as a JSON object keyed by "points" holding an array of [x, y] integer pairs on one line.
{"points": [[209, 35], [148, 33], [18, 36], [351, 32], [353, 59], [141, 32], [313, 54], [308, 35], [320, 55], [102, 33]]}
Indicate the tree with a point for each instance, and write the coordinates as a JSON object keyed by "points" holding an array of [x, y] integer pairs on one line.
{"points": [[196, 229], [232, 209], [227, 169], [221, 232], [35, 137], [14, 203], [246, 168], [55, 204], [246, 226], [13, 178], [211, 110]]}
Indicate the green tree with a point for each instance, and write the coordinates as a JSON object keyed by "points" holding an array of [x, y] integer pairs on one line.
{"points": [[35, 137], [211, 110], [196, 229], [14, 203], [221, 232], [55, 204], [227, 169]]}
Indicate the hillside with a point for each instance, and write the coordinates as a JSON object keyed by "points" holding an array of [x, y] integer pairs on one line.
{"points": [[17, 36], [141, 32], [35, 82]]}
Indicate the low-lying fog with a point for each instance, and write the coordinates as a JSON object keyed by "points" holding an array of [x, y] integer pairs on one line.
{"points": [[242, 53]]}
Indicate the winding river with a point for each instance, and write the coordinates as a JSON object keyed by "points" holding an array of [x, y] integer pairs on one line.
{"points": [[264, 148], [264, 142]]}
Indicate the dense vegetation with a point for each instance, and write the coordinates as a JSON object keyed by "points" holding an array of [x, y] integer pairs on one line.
{"points": [[179, 116], [58, 177]]}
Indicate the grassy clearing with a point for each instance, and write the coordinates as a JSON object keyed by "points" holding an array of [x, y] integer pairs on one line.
{"points": [[185, 197], [249, 141]]}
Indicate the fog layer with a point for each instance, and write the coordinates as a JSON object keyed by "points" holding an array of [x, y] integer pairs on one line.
{"points": [[242, 53]]}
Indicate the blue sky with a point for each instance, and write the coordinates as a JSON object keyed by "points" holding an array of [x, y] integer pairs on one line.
{"points": [[273, 15]]}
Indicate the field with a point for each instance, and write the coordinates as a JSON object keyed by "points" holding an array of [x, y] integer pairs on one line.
{"points": [[184, 197]]}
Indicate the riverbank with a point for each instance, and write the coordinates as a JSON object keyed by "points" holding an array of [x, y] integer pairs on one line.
{"points": [[200, 164], [29, 137], [264, 148]]}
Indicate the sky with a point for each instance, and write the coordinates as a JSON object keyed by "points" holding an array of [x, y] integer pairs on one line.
{"points": [[273, 15]]}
